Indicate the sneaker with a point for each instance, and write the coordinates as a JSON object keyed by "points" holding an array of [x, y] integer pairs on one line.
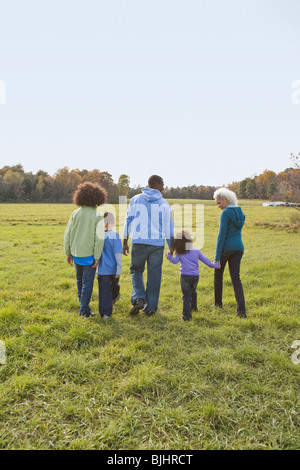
{"points": [[148, 313], [116, 299], [138, 305], [106, 317], [89, 315]]}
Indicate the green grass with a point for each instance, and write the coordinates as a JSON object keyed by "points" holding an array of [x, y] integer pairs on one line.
{"points": [[218, 382]]}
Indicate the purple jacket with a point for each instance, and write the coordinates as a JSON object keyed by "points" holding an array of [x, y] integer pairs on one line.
{"points": [[189, 262]]}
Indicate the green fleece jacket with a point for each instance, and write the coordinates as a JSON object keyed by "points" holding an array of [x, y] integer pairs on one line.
{"points": [[84, 235]]}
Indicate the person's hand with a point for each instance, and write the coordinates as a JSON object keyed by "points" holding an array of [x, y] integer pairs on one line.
{"points": [[218, 263], [95, 263], [117, 276], [70, 260], [125, 248]]}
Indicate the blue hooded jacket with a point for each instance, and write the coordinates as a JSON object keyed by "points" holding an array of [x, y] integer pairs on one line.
{"points": [[149, 219], [232, 221]]}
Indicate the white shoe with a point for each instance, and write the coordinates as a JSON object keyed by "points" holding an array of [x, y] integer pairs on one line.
{"points": [[106, 317]]}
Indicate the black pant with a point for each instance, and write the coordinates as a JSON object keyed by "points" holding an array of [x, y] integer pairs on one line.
{"points": [[109, 289], [234, 262], [189, 295]]}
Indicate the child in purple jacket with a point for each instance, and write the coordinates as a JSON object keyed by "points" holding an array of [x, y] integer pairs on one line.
{"points": [[189, 257]]}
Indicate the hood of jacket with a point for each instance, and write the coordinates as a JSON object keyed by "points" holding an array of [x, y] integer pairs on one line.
{"points": [[151, 195], [236, 215]]}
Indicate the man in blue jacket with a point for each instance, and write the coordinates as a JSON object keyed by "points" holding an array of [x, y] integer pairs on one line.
{"points": [[148, 223]]}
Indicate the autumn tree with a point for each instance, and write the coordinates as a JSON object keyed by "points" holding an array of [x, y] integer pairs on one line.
{"points": [[123, 185]]}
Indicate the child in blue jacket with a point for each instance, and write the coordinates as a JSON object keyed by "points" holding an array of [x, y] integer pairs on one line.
{"points": [[109, 269]]}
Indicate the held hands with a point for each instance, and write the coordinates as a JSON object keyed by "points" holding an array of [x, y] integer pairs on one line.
{"points": [[218, 263]]}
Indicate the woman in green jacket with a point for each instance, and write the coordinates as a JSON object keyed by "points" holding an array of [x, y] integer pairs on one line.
{"points": [[83, 240]]}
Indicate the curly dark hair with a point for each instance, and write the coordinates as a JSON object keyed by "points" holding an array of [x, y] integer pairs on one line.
{"points": [[89, 194], [182, 242], [154, 180]]}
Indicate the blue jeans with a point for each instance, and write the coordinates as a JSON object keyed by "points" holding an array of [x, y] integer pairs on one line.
{"points": [[141, 253], [85, 276], [234, 261], [189, 295], [109, 289]]}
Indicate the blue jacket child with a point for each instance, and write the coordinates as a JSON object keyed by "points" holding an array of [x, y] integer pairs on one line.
{"points": [[110, 268]]}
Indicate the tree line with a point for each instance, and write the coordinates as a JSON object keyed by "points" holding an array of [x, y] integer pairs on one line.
{"points": [[283, 186], [16, 185]]}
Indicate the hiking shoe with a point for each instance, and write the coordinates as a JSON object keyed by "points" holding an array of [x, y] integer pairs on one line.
{"points": [[148, 313], [138, 305]]}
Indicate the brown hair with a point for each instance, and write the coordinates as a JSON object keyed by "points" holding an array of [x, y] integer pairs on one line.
{"points": [[182, 242], [109, 218], [89, 194]]}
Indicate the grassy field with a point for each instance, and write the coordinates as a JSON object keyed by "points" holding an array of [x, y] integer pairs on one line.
{"points": [[218, 382]]}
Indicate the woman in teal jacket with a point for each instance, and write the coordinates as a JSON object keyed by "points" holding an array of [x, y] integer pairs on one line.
{"points": [[229, 247]]}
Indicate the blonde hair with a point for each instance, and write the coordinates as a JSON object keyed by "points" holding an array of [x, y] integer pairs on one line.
{"points": [[225, 193]]}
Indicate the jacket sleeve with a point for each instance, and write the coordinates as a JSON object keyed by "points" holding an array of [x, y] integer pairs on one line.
{"points": [[99, 237], [118, 257], [67, 243], [173, 259], [169, 240], [207, 261], [128, 220], [221, 235]]}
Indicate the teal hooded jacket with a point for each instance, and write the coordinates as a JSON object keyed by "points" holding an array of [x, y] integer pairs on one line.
{"points": [[232, 221]]}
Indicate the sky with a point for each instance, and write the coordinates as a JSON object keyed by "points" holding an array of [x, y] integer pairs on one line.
{"points": [[202, 92]]}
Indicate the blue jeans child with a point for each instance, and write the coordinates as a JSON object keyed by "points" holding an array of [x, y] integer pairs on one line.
{"points": [[140, 253], [189, 295], [109, 289], [85, 276]]}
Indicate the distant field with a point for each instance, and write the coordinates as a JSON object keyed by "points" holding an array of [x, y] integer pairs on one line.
{"points": [[218, 382]]}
